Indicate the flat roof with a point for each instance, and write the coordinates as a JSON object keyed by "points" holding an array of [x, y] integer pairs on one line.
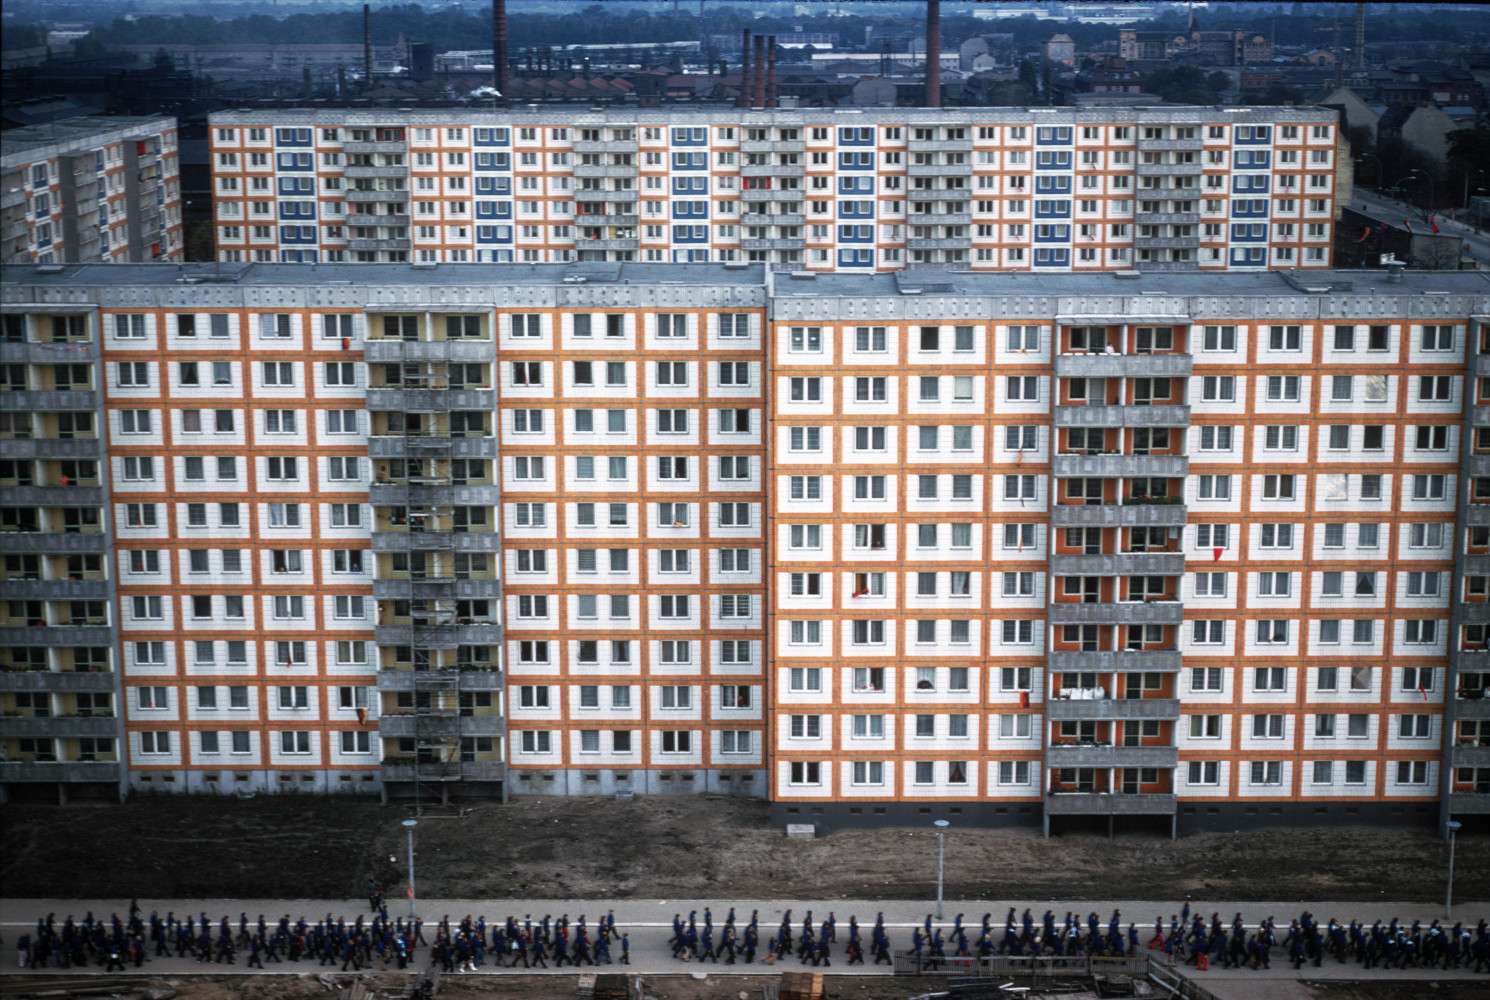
{"points": [[85, 131]]}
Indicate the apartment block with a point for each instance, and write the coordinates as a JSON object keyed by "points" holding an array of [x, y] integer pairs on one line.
{"points": [[1044, 190], [90, 190], [1185, 550]]}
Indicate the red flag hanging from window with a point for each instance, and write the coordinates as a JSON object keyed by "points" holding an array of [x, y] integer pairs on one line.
{"points": [[362, 716], [1216, 554]]}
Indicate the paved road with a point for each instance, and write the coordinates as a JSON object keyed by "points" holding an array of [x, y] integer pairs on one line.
{"points": [[648, 922], [1395, 211]]}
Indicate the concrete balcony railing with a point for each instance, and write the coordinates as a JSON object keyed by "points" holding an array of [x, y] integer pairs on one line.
{"points": [[398, 446], [1474, 660], [1125, 466], [1477, 465], [1169, 145], [482, 680], [445, 588], [428, 350], [939, 145], [53, 543], [54, 496], [782, 243], [439, 636], [1117, 515], [1119, 564], [608, 219], [1116, 613], [481, 770], [1122, 416], [45, 448], [360, 244], [1474, 612], [482, 725], [1482, 366], [430, 400], [774, 194], [939, 169], [61, 727], [68, 352], [1470, 756], [1464, 708], [604, 146], [604, 170], [766, 219], [393, 726], [58, 681], [1167, 266], [1166, 242], [55, 590], [418, 680], [1166, 218], [940, 219], [607, 196], [434, 495], [1115, 660], [621, 243], [1111, 756], [351, 148], [1104, 804], [938, 243], [63, 771], [772, 146], [1475, 515], [49, 401], [938, 194], [1123, 365], [1470, 803], [56, 635], [357, 197], [1072, 709], [352, 170], [774, 170], [1170, 170], [436, 541]]}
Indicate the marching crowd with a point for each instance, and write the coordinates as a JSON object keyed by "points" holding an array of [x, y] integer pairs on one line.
{"points": [[468, 945]]}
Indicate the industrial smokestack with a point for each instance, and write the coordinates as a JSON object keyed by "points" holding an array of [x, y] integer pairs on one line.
{"points": [[1360, 34], [744, 99], [367, 46], [499, 45], [771, 101], [758, 92], [933, 54]]}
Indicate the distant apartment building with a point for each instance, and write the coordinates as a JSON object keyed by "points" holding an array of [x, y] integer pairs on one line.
{"points": [[91, 189], [1045, 190], [1196, 550]]}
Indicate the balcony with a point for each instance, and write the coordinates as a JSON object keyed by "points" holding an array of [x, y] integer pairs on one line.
{"points": [[765, 219], [1123, 365], [1122, 416], [604, 170], [1118, 515], [351, 148], [1482, 369], [399, 446], [443, 588], [1115, 660], [1104, 804], [1474, 660], [357, 244], [772, 145], [607, 220], [353, 171], [424, 771], [438, 636], [425, 495], [1166, 218], [939, 145], [428, 350], [623, 243], [1116, 613], [1464, 708], [70, 351], [1471, 803], [430, 400], [54, 496], [418, 680], [1159, 466], [1110, 756], [938, 243], [56, 635], [65, 727], [1074, 709], [1167, 266], [781, 243], [356, 197], [939, 170], [1166, 242], [420, 724], [65, 771], [1169, 170], [604, 146], [1477, 465], [1475, 514], [940, 219], [1119, 564], [49, 400], [481, 680], [44, 542], [774, 170], [1169, 145], [773, 194], [482, 725], [56, 590], [1474, 612], [44, 448], [939, 194], [607, 196], [1463, 756]]}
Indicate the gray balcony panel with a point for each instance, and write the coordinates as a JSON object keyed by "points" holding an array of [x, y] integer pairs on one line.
{"points": [[439, 636], [395, 244], [1474, 612], [1118, 516], [1471, 756], [608, 196], [1482, 365], [772, 145], [1474, 661], [1479, 416], [1063, 710], [1167, 218], [56, 590], [939, 194], [1100, 804], [404, 351], [940, 219], [1477, 465], [54, 496], [418, 680], [1118, 613], [351, 147], [63, 771], [436, 541], [44, 448], [785, 243], [1169, 170], [447, 589], [430, 400], [435, 494], [625, 243], [352, 170], [774, 170], [781, 219], [357, 219], [66, 352], [938, 243], [604, 170], [482, 725], [483, 770], [616, 219], [1119, 564], [45, 542], [482, 680], [773, 194], [58, 681], [49, 401], [354, 196], [57, 635], [1166, 242], [1166, 145], [1472, 708], [431, 447], [939, 145], [58, 727], [1174, 266], [604, 145], [939, 169], [1470, 803], [1095, 756], [1477, 514], [418, 725], [1115, 661], [1160, 466], [1122, 416]]}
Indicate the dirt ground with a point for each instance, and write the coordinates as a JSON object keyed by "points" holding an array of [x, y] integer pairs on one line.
{"points": [[693, 847], [1444, 989]]}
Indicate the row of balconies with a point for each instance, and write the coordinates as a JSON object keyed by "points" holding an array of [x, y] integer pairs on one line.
{"points": [[938, 194], [445, 771], [56, 590], [395, 244], [940, 219], [1122, 416], [1164, 466], [424, 495], [441, 588], [1123, 365], [773, 170], [44, 448], [58, 635], [54, 543], [436, 541], [1166, 218], [1102, 803], [358, 219], [64, 771], [1119, 564], [938, 243], [372, 170], [440, 680], [608, 219], [430, 400], [1165, 145], [49, 400], [604, 170], [766, 219], [62, 727], [408, 351], [1111, 709], [58, 681], [604, 146], [1117, 515], [772, 146], [771, 194], [1170, 169], [1091, 755], [1166, 242], [431, 636], [469, 725], [772, 244], [352, 148], [53, 496], [939, 145], [70, 352], [1116, 613], [399, 446], [355, 196], [1114, 661]]}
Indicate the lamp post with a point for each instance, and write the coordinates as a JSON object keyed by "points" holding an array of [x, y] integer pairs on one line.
{"points": [[1422, 175], [1448, 899], [409, 825], [941, 855]]}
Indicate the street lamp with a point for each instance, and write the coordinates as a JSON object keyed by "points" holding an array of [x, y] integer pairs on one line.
{"points": [[1422, 175], [409, 825], [941, 855], [1448, 899]]}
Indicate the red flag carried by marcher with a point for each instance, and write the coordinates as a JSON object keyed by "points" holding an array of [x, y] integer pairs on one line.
{"points": [[1433, 221], [1407, 224], [1364, 233]]}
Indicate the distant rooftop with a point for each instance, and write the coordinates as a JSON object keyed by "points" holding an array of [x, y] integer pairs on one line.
{"points": [[20, 144]]}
